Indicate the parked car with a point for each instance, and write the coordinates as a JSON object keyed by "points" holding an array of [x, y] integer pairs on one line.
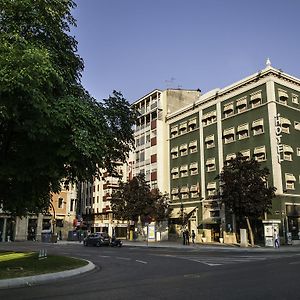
{"points": [[97, 239]]}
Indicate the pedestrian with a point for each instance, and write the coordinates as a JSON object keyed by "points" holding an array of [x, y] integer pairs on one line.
{"points": [[187, 237], [183, 237], [193, 236], [276, 239]]}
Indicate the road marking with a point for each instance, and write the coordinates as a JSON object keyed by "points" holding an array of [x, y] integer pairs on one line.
{"points": [[104, 256], [294, 263], [124, 258], [141, 261]]}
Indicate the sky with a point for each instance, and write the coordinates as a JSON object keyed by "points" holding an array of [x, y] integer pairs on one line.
{"points": [[136, 46]]}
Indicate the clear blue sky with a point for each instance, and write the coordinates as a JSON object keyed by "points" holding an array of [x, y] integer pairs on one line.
{"points": [[135, 46]]}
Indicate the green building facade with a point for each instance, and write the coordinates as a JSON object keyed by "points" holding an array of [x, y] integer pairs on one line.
{"points": [[258, 116]]}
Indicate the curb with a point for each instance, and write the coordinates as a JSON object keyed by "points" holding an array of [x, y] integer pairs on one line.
{"points": [[32, 280]]}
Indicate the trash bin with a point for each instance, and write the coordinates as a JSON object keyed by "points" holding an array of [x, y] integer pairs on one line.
{"points": [[54, 238], [46, 236]]}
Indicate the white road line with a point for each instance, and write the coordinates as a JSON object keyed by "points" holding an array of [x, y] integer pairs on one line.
{"points": [[104, 256], [123, 258], [294, 263], [141, 261]]}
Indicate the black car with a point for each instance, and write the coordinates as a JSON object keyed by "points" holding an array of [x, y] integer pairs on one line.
{"points": [[97, 239]]}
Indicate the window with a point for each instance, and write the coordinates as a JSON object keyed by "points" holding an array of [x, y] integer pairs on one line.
{"points": [[243, 131], [214, 213], [192, 124], [194, 168], [210, 141], [229, 157], [258, 127], [283, 96], [174, 131], [174, 152], [295, 99], [184, 171], [193, 146], [228, 135], [194, 191], [183, 149], [241, 104], [260, 153], [175, 173], [183, 128], [175, 192], [211, 188], [297, 125], [228, 109], [184, 191], [285, 125], [287, 152], [290, 181], [298, 151], [211, 164], [255, 99], [72, 205], [60, 202], [209, 118], [246, 154]]}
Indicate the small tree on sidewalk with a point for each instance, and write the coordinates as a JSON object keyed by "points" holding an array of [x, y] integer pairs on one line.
{"points": [[244, 191], [134, 200]]}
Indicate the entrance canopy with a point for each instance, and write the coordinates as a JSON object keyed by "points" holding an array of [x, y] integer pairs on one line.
{"points": [[176, 212]]}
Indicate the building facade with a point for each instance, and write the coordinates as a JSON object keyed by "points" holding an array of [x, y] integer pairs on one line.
{"points": [[258, 116]]}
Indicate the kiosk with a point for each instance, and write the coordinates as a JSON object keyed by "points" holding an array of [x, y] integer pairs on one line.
{"points": [[269, 227]]}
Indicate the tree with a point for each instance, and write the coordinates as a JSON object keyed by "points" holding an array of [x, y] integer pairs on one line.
{"points": [[244, 190], [134, 200], [51, 130]]}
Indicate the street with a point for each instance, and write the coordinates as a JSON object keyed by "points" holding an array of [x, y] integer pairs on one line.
{"points": [[169, 273]]}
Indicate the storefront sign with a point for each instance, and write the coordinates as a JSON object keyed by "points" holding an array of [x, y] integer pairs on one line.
{"points": [[278, 133]]}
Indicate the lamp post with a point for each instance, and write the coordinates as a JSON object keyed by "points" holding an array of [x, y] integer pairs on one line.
{"points": [[53, 220]]}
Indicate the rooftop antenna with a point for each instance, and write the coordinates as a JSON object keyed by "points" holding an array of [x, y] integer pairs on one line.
{"points": [[268, 62], [169, 82]]}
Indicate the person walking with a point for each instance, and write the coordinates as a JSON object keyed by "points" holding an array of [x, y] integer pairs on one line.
{"points": [[187, 237], [183, 237], [193, 235], [276, 239]]}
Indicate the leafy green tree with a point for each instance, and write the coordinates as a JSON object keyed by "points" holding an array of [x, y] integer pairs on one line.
{"points": [[244, 190], [51, 130], [134, 200]]}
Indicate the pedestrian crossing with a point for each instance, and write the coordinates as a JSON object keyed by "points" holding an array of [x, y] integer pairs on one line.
{"points": [[214, 261]]}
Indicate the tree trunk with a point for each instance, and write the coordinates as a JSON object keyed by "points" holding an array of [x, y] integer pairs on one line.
{"points": [[250, 232]]}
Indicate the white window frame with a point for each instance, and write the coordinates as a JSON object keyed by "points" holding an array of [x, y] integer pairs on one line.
{"points": [[280, 98], [295, 99], [243, 134]]}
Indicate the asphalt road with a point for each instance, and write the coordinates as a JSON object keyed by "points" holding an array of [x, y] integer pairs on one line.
{"points": [[169, 273]]}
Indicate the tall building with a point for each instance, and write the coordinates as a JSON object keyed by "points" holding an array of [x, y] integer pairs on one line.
{"points": [[151, 134], [258, 116]]}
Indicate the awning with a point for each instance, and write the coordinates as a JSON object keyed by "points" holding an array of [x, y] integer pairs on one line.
{"points": [[258, 123], [183, 147], [174, 129], [285, 121], [244, 127], [255, 96], [228, 107], [175, 170], [184, 190], [290, 177], [184, 168], [209, 138], [230, 156], [210, 221], [287, 149], [174, 150], [174, 191], [211, 185], [246, 153], [192, 122], [193, 166], [210, 162], [241, 102], [176, 212], [193, 144], [229, 131], [282, 94], [183, 126], [194, 188], [259, 150]]}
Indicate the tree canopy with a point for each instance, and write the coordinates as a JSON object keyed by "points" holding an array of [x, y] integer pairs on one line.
{"points": [[134, 199], [244, 189], [51, 130]]}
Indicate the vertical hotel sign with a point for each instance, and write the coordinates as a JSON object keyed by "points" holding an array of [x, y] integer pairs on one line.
{"points": [[278, 133]]}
